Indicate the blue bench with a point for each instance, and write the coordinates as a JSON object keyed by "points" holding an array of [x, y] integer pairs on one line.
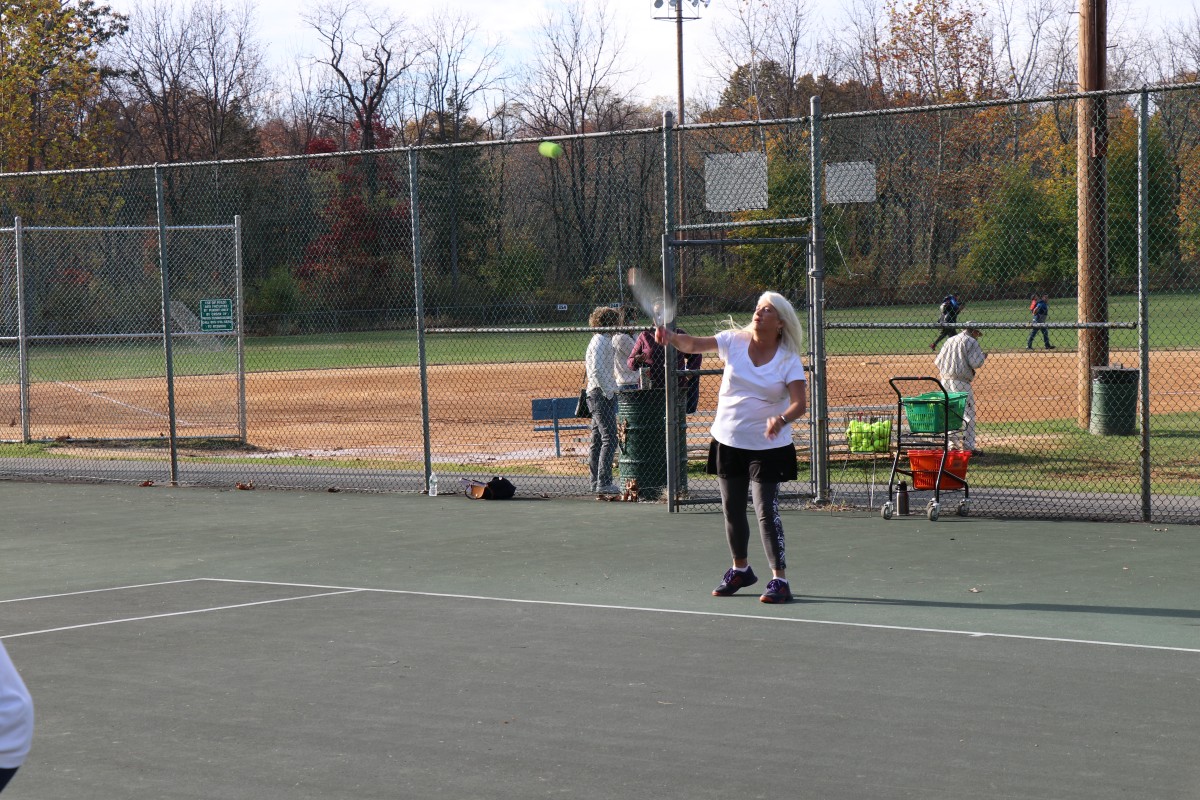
{"points": [[556, 409]]}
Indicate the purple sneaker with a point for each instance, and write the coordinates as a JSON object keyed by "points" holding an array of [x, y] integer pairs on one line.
{"points": [[778, 591], [735, 580]]}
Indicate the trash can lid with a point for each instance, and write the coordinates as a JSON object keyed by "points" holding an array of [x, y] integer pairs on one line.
{"points": [[1115, 376]]}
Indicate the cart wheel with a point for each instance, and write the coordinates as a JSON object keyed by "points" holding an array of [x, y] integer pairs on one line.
{"points": [[964, 508], [933, 512], [886, 511]]}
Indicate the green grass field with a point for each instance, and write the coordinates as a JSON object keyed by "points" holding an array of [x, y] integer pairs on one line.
{"points": [[1039, 455], [1171, 325]]}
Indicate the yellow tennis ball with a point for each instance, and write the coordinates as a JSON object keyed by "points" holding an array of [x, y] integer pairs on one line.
{"points": [[550, 149]]}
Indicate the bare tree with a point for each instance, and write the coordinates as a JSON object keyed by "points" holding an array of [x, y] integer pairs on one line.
{"points": [[568, 86], [1026, 34], [368, 52], [456, 72], [229, 74], [1188, 45], [861, 58], [1177, 113], [156, 61], [302, 113], [190, 81], [774, 34], [1135, 45]]}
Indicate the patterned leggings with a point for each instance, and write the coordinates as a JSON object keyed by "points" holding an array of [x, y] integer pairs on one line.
{"points": [[737, 525]]}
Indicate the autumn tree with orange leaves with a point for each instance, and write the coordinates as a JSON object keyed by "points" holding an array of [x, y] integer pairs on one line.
{"points": [[50, 81]]}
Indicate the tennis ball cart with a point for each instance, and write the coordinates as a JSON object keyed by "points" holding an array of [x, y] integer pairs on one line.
{"points": [[923, 428]]}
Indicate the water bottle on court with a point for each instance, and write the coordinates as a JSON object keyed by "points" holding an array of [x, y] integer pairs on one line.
{"points": [[433, 484]]}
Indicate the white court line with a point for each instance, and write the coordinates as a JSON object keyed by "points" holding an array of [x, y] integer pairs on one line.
{"points": [[763, 617], [176, 613], [107, 589], [102, 396], [339, 590]]}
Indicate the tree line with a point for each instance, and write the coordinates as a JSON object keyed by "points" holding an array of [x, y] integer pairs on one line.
{"points": [[983, 196], [84, 85]]}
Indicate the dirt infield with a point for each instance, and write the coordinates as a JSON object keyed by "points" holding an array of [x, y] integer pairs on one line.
{"points": [[482, 412]]}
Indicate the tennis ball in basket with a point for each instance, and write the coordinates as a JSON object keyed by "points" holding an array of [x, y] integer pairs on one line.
{"points": [[550, 149]]}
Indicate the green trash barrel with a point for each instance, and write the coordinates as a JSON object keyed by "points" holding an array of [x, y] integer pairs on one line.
{"points": [[1114, 401], [642, 440]]}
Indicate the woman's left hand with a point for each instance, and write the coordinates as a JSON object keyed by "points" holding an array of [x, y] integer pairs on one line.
{"points": [[793, 412]]}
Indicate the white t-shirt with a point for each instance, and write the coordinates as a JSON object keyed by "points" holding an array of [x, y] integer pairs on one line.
{"points": [[599, 362], [16, 715], [622, 347], [751, 395]]}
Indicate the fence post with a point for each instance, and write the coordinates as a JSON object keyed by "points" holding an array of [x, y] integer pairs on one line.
{"points": [[22, 337], [1143, 232], [166, 321], [668, 261], [240, 303], [819, 414], [414, 215]]}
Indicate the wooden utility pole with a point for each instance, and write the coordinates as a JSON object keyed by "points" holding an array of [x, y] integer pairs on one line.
{"points": [[1092, 195]]}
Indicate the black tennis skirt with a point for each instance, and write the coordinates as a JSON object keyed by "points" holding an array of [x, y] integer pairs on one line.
{"points": [[776, 465]]}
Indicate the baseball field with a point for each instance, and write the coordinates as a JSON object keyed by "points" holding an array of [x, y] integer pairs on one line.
{"points": [[482, 411]]}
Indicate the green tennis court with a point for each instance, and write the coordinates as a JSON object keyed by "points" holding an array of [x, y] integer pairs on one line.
{"points": [[194, 643]]}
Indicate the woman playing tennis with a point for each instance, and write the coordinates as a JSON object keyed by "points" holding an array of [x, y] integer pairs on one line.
{"points": [[762, 394]]}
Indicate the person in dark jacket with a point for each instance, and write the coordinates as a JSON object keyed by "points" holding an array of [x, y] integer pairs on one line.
{"points": [[1040, 310], [649, 353], [948, 316]]}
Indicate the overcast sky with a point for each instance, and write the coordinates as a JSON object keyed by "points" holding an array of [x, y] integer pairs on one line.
{"points": [[650, 42]]}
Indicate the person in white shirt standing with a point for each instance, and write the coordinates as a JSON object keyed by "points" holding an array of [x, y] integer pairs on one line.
{"points": [[762, 394], [16, 719], [626, 376], [602, 400], [957, 362]]}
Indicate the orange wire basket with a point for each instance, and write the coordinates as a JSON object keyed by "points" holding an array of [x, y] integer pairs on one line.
{"points": [[925, 464]]}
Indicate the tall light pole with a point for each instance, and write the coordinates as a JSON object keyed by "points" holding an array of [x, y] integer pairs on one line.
{"points": [[676, 13]]}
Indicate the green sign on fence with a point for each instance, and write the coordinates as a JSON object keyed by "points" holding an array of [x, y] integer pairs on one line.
{"points": [[216, 315]]}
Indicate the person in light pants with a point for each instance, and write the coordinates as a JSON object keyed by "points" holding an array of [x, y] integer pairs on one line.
{"points": [[602, 400], [958, 360], [16, 719]]}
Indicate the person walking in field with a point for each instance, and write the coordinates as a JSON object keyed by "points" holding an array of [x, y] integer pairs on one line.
{"points": [[957, 361], [948, 315], [1040, 309], [762, 393]]}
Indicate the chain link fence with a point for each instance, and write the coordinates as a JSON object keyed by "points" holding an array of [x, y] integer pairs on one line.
{"points": [[400, 314], [983, 202]]}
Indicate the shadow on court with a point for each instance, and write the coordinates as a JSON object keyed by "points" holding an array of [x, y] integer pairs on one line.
{"points": [[189, 643]]}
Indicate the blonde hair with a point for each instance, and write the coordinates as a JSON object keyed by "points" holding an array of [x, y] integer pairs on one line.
{"points": [[792, 337]]}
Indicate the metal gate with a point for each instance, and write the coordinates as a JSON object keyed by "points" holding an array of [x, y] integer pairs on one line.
{"points": [[119, 336]]}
